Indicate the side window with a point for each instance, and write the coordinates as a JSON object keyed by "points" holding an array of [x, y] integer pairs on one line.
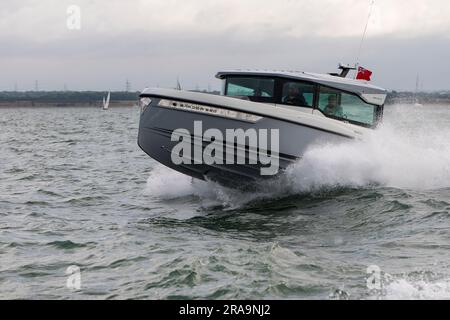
{"points": [[341, 105], [330, 102], [250, 87], [298, 94]]}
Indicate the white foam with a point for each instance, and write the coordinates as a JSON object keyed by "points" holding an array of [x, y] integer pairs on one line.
{"points": [[408, 289], [413, 155], [168, 184], [411, 151]]}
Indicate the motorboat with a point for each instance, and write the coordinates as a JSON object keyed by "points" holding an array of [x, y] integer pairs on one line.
{"points": [[262, 122]]}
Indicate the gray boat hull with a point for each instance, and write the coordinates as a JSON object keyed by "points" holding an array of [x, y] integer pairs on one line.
{"points": [[158, 123]]}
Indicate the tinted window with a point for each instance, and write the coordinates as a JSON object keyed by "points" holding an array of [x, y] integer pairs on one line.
{"points": [[298, 94], [250, 87], [341, 105]]}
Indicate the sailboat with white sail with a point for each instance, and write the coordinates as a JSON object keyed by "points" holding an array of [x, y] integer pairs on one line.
{"points": [[106, 101]]}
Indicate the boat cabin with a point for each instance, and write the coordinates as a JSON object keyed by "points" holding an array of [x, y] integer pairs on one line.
{"points": [[340, 98]]}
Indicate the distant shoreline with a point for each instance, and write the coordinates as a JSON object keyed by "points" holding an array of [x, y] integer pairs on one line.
{"points": [[94, 104], [94, 99], [62, 99]]}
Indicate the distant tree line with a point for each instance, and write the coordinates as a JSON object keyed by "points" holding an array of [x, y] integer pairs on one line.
{"points": [[67, 97], [420, 97]]}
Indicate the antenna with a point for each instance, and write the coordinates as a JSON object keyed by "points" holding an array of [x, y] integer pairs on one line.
{"points": [[364, 33], [36, 85], [127, 86]]}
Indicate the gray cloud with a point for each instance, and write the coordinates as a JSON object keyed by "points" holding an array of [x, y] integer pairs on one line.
{"points": [[151, 43]]}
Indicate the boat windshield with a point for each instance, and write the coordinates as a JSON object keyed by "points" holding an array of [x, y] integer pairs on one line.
{"points": [[345, 106]]}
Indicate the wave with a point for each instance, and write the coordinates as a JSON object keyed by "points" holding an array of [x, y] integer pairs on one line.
{"points": [[414, 289], [410, 151]]}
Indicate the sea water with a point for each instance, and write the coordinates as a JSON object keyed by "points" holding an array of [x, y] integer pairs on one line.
{"points": [[76, 191]]}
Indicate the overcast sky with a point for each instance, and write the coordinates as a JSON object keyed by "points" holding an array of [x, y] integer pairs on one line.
{"points": [[152, 42]]}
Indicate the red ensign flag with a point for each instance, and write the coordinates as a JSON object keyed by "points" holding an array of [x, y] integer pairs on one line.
{"points": [[363, 74]]}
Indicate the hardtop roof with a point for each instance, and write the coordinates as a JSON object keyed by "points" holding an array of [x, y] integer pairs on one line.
{"points": [[347, 84]]}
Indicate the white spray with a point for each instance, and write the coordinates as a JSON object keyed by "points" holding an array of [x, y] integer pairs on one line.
{"points": [[410, 151]]}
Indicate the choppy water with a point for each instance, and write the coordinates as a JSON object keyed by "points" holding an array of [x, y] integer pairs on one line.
{"points": [[76, 190]]}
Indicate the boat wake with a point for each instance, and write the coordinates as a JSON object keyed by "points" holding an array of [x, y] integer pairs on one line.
{"points": [[410, 151], [406, 288]]}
